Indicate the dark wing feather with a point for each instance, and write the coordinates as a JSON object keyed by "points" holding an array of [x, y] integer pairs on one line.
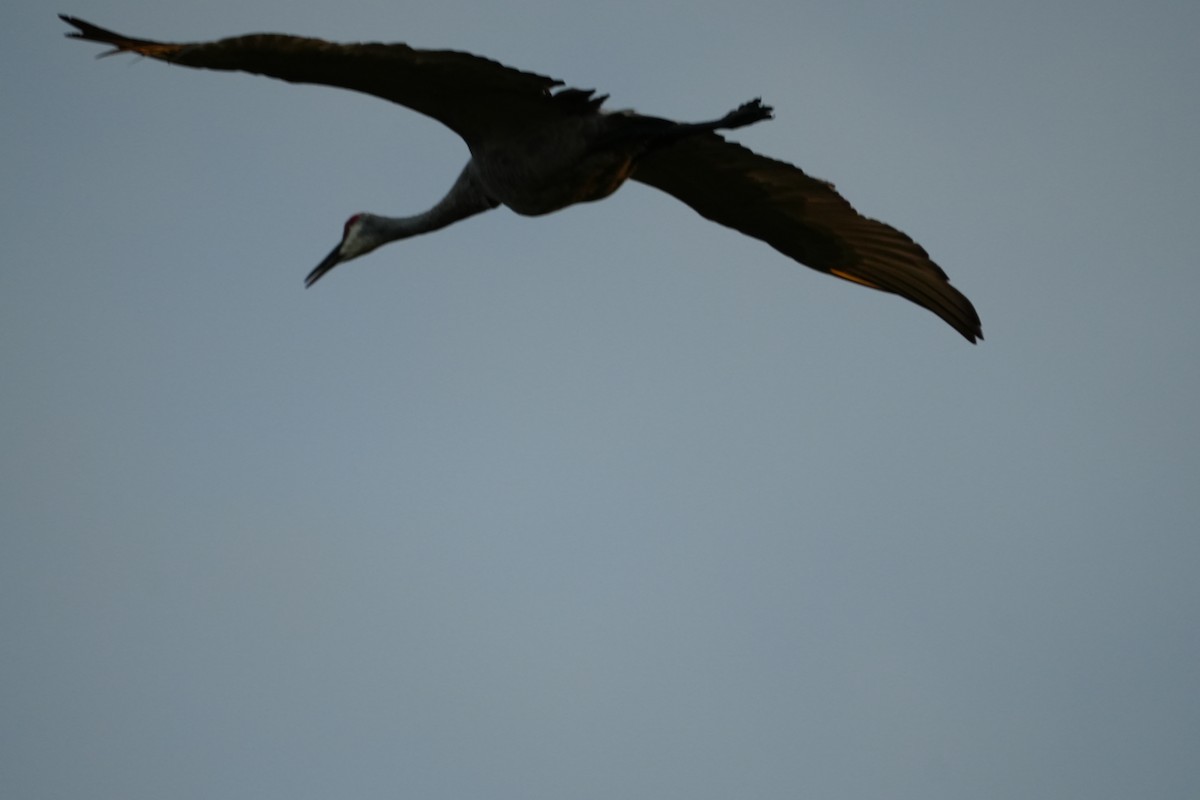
{"points": [[803, 218], [473, 96]]}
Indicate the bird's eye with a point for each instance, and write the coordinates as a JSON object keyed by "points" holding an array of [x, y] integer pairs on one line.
{"points": [[349, 223]]}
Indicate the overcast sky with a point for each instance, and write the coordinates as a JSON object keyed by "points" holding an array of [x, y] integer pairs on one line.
{"points": [[616, 503]]}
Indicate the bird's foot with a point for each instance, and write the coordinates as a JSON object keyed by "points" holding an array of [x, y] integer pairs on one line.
{"points": [[746, 114]]}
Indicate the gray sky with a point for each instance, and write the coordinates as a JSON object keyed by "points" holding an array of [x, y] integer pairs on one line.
{"points": [[614, 503]]}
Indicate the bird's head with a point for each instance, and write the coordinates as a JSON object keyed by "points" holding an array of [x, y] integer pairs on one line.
{"points": [[359, 237]]}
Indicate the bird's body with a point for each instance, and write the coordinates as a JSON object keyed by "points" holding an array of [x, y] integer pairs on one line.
{"points": [[548, 170], [536, 151]]}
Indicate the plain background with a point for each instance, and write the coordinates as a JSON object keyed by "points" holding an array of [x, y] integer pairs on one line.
{"points": [[614, 503]]}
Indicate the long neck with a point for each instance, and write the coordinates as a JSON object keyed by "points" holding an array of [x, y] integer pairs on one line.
{"points": [[465, 198]]}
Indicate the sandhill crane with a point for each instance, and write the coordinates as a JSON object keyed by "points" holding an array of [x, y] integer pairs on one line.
{"points": [[537, 148]]}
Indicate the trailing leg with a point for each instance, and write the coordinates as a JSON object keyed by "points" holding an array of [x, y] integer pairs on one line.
{"points": [[650, 133]]}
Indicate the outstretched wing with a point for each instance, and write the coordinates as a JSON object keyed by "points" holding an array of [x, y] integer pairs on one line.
{"points": [[473, 96], [803, 218]]}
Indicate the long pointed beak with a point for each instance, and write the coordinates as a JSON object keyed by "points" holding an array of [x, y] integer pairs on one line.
{"points": [[332, 260]]}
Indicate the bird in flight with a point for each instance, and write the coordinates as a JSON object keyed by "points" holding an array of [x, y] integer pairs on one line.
{"points": [[537, 147]]}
